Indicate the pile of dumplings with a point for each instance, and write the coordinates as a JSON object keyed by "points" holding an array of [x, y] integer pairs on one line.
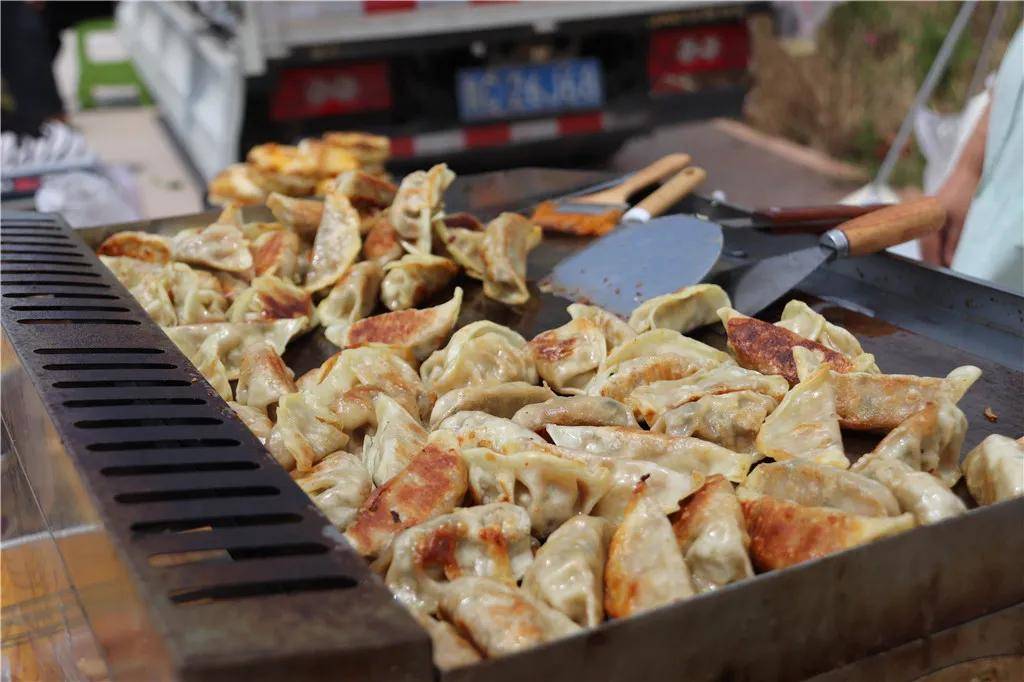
{"points": [[510, 491]]}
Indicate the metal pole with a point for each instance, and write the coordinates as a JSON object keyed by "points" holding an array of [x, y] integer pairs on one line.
{"points": [[981, 69], [938, 67]]}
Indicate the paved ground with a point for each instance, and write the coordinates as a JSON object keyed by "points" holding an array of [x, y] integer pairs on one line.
{"points": [[751, 169]]}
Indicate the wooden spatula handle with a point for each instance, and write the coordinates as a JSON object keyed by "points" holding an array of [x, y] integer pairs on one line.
{"points": [[666, 196], [619, 194], [806, 214], [893, 225]]}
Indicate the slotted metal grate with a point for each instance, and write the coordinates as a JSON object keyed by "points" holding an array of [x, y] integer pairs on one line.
{"points": [[234, 569]]}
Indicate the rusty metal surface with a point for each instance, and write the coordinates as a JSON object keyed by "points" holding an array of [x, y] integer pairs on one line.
{"points": [[119, 434], [835, 611]]}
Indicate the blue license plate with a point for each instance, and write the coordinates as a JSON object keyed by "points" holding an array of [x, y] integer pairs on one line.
{"points": [[514, 91]]}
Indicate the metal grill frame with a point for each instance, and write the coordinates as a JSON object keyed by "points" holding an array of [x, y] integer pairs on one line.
{"points": [[106, 411]]}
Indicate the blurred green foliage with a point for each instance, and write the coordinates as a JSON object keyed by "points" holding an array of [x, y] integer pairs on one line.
{"points": [[849, 94]]}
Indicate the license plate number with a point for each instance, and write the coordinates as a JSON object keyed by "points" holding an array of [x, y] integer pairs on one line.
{"points": [[515, 91]]}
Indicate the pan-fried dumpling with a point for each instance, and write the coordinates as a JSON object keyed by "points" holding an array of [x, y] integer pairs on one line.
{"points": [[342, 385], [351, 299], [550, 488], [480, 353], [235, 184], [645, 567], [805, 425], [433, 483], [568, 572], [382, 243], [234, 337], [620, 380], [664, 486], [678, 453], [220, 246], [230, 285], [131, 271], [577, 410], [463, 245], [661, 341], [271, 298], [153, 295], [713, 536], [143, 246], [784, 533], [419, 332], [866, 401], [501, 400], [338, 486], [337, 243], [651, 401], [365, 190], [254, 419], [302, 215], [616, 331], [276, 252], [820, 485], [450, 649], [414, 278], [917, 492], [490, 541], [501, 619], [929, 440], [995, 469], [690, 307], [507, 241], [305, 433], [482, 430], [206, 359], [768, 348], [399, 437], [196, 294], [262, 377], [731, 420], [418, 200], [798, 318], [567, 358]]}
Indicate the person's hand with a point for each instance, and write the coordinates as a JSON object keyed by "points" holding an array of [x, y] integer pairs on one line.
{"points": [[955, 195]]}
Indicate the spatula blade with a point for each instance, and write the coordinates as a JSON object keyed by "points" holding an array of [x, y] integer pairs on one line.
{"points": [[755, 287], [637, 262]]}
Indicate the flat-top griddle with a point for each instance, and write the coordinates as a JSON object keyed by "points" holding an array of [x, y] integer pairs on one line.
{"points": [[218, 567]]}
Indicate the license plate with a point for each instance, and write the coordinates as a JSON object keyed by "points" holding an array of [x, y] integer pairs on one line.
{"points": [[514, 91]]}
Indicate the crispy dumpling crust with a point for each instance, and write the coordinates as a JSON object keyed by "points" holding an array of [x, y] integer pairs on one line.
{"points": [[432, 484], [785, 533], [768, 348], [143, 246]]}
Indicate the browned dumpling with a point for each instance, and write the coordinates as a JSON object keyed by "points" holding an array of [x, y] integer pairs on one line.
{"points": [[501, 400], [501, 619], [645, 567], [220, 246], [301, 215], [489, 541], [263, 378], [577, 410], [338, 486], [568, 357], [151, 248], [419, 332], [414, 278], [432, 484], [276, 252], [271, 298], [785, 533], [352, 298]]}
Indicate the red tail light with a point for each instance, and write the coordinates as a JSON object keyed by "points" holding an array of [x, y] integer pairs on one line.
{"points": [[677, 52], [331, 90]]}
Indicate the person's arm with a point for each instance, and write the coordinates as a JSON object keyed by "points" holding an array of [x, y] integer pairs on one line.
{"points": [[956, 194]]}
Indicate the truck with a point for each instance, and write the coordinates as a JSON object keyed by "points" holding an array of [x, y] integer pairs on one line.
{"points": [[481, 83]]}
